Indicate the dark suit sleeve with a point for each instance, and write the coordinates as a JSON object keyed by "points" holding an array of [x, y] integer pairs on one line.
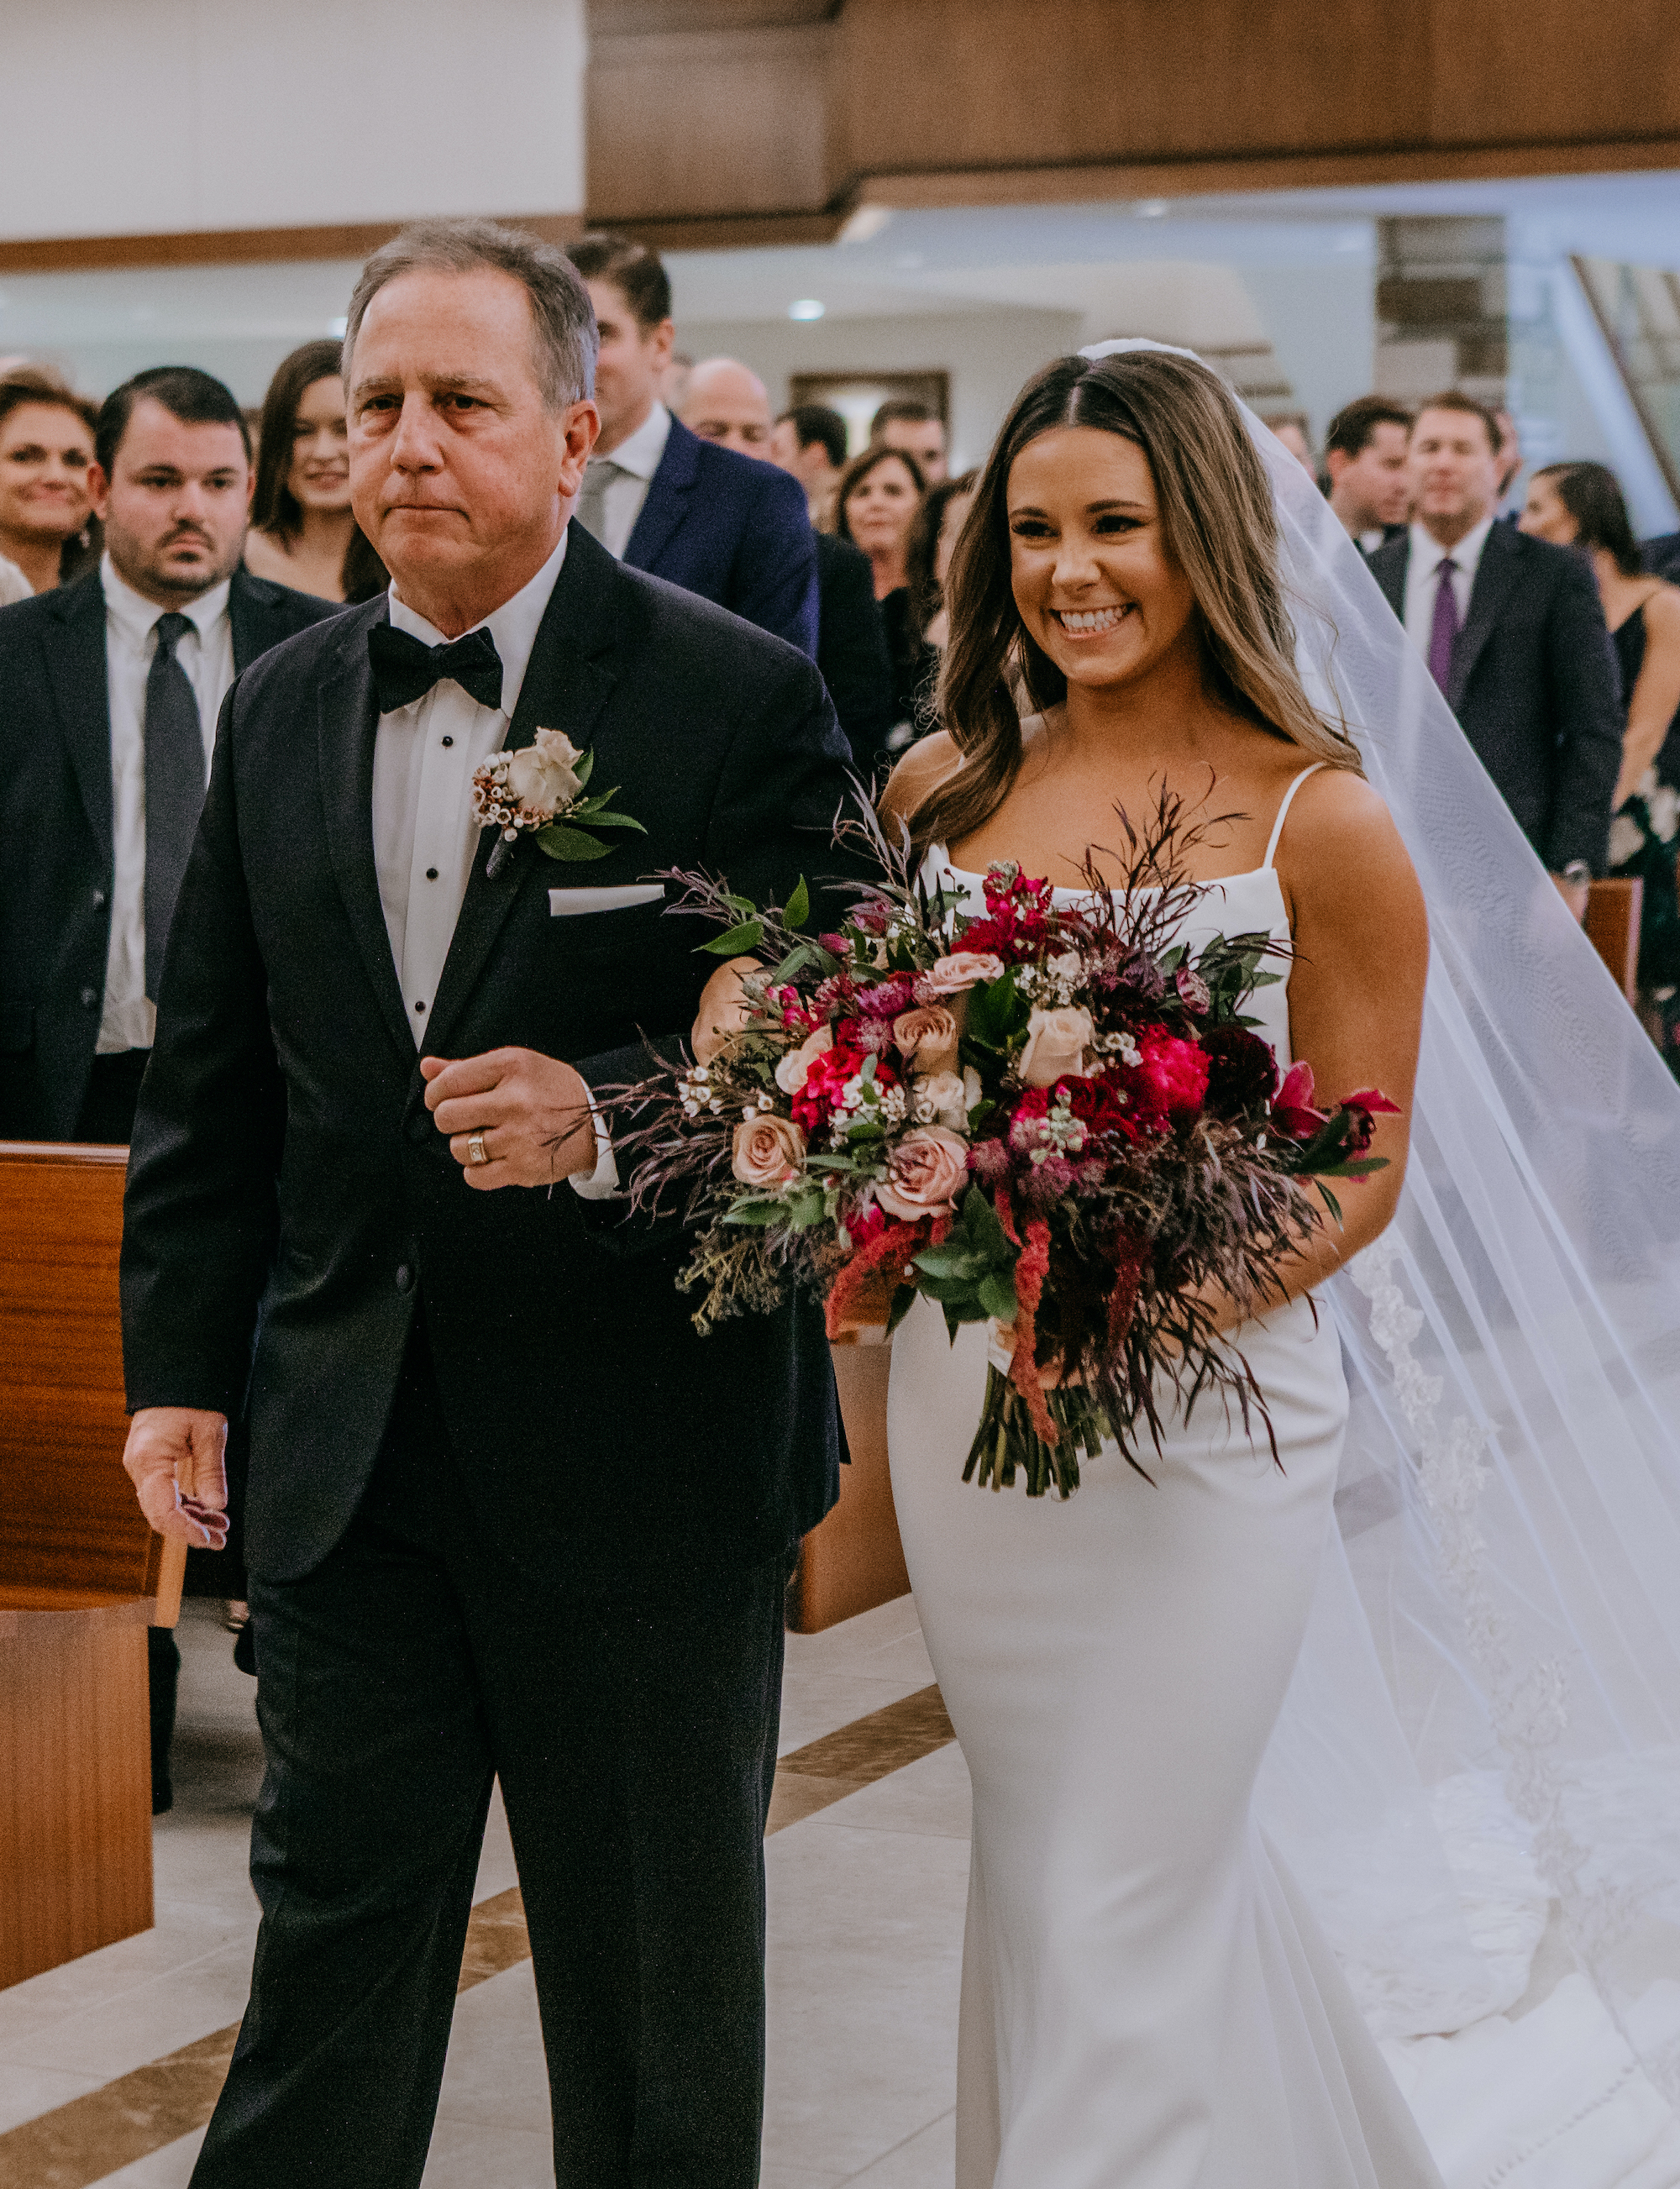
{"points": [[1581, 668], [785, 785], [852, 655], [200, 1215], [773, 581]]}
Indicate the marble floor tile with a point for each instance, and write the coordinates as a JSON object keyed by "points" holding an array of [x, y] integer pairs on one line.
{"points": [[168, 2168], [114, 2034], [865, 1944], [931, 1795], [496, 2076], [24, 2092], [927, 2160], [468, 2155]]}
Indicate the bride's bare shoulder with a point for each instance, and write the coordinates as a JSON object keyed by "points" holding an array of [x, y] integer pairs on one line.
{"points": [[926, 764]]}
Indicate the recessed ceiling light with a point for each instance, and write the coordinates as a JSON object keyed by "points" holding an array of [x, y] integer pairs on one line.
{"points": [[805, 308], [1151, 208]]}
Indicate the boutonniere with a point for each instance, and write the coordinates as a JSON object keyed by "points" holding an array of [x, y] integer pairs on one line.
{"points": [[539, 790]]}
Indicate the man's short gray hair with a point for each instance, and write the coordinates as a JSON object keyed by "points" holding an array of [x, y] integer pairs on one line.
{"points": [[562, 320]]}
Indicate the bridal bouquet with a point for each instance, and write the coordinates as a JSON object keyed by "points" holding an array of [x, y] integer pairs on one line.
{"points": [[1053, 1119]]}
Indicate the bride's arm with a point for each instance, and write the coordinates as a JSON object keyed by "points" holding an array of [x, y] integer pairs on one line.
{"points": [[1355, 988]]}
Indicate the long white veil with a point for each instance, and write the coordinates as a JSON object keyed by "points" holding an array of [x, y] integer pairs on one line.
{"points": [[1477, 1776]]}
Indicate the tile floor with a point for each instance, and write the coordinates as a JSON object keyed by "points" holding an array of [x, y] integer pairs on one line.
{"points": [[866, 1916]]}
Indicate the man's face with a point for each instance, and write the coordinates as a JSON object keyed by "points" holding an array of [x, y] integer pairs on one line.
{"points": [[1453, 471], [176, 505], [1374, 488], [924, 438], [461, 476], [632, 365], [728, 404], [809, 465]]}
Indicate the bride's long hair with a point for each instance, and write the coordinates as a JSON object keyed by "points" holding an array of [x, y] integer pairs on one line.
{"points": [[1218, 519]]}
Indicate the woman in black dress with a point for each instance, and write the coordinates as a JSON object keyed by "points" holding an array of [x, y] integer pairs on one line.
{"points": [[875, 504], [1581, 506]]}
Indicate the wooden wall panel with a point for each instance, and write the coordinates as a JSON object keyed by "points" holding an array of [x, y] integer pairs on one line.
{"points": [[67, 1511], [709, 122], [75, 1779], [1550, 70]]}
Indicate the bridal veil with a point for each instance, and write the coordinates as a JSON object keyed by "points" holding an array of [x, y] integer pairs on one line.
{"points": [[1477, 1776]]}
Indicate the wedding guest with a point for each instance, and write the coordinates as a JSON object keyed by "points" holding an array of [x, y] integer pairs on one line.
{"points": [[1365, 453], [1514, 633], [928, 548], [303, 533], [810, 442], [728, 406], [1290, 427], [660, 499], [1581, 506], [45, 448], [110, 691], [914, 429], [876, 502]]}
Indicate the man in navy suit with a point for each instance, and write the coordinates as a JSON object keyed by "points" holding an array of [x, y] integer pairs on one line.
{"points": [[661, 499]]}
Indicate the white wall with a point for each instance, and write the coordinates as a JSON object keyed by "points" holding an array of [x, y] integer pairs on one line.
{"points": [[989, 355], [143, 117]]}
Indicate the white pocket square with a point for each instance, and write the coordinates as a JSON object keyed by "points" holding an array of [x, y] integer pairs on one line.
{"points": [[566, 903]]}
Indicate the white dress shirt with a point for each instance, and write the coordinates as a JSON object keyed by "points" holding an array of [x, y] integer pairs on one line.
{"points": [[425, 837], [1422, 570], [638, 458], [14, 586], [206, 653]]}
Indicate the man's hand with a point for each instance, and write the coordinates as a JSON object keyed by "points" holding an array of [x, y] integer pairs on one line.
{"points": [[723, 1009], [176, 1459], [530, 1113]]}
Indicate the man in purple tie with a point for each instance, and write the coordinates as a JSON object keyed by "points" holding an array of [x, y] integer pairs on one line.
{"points": [[1515, 639]]}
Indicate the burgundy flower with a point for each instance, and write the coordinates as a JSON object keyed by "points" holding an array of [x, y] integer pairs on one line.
{"points": [[889, 998], [1362, 1111], [1242, 1071]]}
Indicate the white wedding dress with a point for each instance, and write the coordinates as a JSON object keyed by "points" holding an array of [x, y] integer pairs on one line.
{"points": [[1147, 2003]]}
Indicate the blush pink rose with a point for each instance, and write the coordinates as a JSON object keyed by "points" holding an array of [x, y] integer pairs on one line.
{"points": [[926, 1038], [1056, 1042], [925, 1173], [963, 969], [768, 1152], [793, 1069]]}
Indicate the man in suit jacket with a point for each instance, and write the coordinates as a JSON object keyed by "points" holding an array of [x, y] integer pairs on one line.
{"points": [[728, 406], [1514, 634], [82, 852], [508, 1515], [660, 498]]}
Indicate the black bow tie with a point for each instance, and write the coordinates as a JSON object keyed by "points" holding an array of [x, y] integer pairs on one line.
{"points": [[405, 668]]}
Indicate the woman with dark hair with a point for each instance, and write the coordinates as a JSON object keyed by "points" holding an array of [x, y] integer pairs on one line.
{"points": [[928, 549], [875, 506], [47, 524], [303, 533], [1581, 505], [1145, 1999]]}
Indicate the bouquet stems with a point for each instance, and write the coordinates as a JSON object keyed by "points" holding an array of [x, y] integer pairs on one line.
{"points": [[1006, 1439]]}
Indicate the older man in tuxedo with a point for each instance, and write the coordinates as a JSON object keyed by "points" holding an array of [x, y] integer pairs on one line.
{"points": [[508, 1516], [1514, 633]]}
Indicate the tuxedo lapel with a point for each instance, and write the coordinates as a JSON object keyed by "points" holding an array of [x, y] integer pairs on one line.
{"points": [[567, 681], [666, 504], [1495, 575], [76, 666], [347, 726]]}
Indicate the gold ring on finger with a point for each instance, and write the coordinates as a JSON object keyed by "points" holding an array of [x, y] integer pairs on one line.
{"points": [[476, 1151]]}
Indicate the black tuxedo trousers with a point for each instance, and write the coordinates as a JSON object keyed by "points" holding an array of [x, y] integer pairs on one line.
{"points": [[632, 1724]]}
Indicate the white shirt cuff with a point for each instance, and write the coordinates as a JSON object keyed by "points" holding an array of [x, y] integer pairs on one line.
{"points": [[604, 1178]]}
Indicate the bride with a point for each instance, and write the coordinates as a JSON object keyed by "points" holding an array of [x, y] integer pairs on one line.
{"points": [[1146, 2000]]}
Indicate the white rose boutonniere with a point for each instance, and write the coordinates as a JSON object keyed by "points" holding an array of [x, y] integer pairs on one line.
{"points": [[538, 790]]}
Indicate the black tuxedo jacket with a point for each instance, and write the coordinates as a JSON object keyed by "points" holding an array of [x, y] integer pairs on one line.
{"points": [[851, 650], [286, 1183], [56, 854], [1535, 687], [733, 529]]}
